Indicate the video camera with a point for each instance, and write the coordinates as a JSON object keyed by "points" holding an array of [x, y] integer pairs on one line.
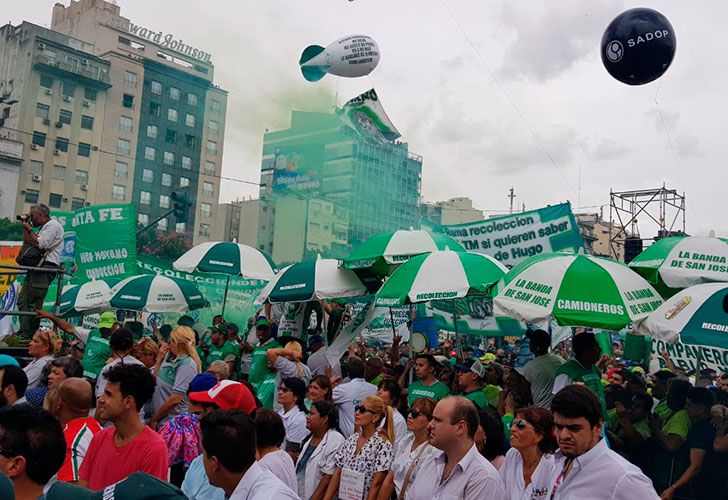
{"points": [[23, 218]]}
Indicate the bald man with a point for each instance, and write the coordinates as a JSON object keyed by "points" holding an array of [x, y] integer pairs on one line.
{"points": [[71, 404]]}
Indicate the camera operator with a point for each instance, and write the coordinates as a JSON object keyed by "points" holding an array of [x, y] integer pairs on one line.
{"points": [[48, 244]]}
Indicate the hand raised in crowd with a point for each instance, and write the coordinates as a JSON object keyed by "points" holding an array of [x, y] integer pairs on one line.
{"points": [[719, 416], [43, 313], [622, 412]]}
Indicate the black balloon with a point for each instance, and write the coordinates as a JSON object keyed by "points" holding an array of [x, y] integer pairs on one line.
{"points": [[638, 46]]}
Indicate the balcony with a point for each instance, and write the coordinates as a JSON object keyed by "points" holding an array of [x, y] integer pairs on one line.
{"points": [[92, 74]]}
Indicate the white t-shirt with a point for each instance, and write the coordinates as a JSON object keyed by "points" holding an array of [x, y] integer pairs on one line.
{"points": [[512, 474], [261, 484], [346, 397], [404, 456], [50, 239], [102, 380], [294, 422], [280, 464]]}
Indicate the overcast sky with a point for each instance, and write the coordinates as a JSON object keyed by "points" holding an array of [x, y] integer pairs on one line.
{"points": [[474, 87]]}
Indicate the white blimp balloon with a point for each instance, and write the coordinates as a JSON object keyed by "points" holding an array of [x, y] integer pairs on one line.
{"points": [[351, 57]]}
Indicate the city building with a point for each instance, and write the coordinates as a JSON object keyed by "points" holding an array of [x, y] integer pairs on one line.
{"points": [[59, 90], [453, 211], [595, 231], [11, 157], [238, 221], [325, 188]]}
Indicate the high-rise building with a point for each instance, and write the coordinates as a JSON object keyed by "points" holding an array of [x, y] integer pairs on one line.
{"points": [[325, 188], [595, 231], [112, 112], [453, 211], [238, 221]]}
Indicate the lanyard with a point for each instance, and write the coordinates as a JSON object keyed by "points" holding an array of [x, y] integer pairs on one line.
{"points": [[560, 477]]}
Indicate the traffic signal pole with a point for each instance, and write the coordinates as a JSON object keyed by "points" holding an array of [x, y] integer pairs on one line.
{"points": [[154, 223]]}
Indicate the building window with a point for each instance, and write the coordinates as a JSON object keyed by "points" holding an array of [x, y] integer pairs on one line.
{"points": [[128, 101], [155, 109], [179, 227], [191, 99], [189, 141], [215, 106], [121, 171], [39, 138], [152, 131], [164, 201], [42, 111], [118, 193], [142, 219], [65, 116], [80, 177], [171, 136], [172, 114], [77, 203], [186, 162], [150, 153], [212, 148], [84, 149], [209, 168], [68, 89], [62, 144], [167, 180], [174, 93], [213, 127], [55, 200], [125, 124], [147, 175], [145, 198], [46, 81], [204, 230], [156, 88], [35, 167], [162, 225], [87, 122], [168, 158], [190, 120], [59, 172], [206, 209], [184, 182], [208, 189], [31, 196], [90, 94], [130, 79], [123, 147]]}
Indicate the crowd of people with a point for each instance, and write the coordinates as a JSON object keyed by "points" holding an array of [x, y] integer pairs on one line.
{"points": [[213, 412]]}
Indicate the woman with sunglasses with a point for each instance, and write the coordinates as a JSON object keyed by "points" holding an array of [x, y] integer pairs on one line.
{"points": [[315, 464], [528, 469], [366, 456], [42, 349], [411, 451], [291, 396]]}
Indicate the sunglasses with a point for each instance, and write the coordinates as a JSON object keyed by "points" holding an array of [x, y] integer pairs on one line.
{"points": [[520, 424], [364, 409], [417, 413]]}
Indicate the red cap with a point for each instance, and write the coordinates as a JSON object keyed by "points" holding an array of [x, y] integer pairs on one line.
{"points": [[228, 395]]}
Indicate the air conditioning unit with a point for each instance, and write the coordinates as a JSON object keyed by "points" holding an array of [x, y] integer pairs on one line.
{"points": [[86, 103], [34, 147], [41, 45], [66, 98], [37, 177], [84, 62], [56, 152], [48, 92], [59, 124], [46, 121], [94, 148], [84, 187]]}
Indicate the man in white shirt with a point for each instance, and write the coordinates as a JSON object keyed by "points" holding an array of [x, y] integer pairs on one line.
{"points": [[459, 471], [584, 466], [228, 454], [347, 396], [541, 371], [49, 241]]}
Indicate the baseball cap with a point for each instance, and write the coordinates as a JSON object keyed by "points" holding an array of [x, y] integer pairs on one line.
{"points": [[186, 321], [478, 368], [107, 319], [228, 395], [138, 486], [262, 322], [203, 382], [488, 357], [221, 328], [6, 360]]}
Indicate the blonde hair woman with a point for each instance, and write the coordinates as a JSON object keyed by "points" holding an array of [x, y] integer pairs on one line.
{"points": [[177, 365], [367, 454], [42, 349], [287, 363], [146, 351]]}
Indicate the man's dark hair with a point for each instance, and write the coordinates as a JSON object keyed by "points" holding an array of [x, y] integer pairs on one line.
{"points": [[37, 436], [269, 429], [15, 376], [356, 368], [677, 392], [576, 401], [701, 396], [464, 409], [122, 340], [431, 361], [394, 390], [134, 380], [583, 342], [495, 437], [664, 375], [229, 436], [642, 398], [70, 365]]}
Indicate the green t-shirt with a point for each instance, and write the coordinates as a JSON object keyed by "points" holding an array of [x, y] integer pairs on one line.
{"points": [[663, 412], [95, 354], [259, 366], [226, 352], [417, 389], [613, 421], [678, 424], [590, 377], [492, 394], [507, 420], [643, 428], [477, 396], [266, 391]]}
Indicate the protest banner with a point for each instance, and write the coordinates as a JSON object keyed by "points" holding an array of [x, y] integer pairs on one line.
{"points": [[513, 238], [9, 250], [689, 357]]}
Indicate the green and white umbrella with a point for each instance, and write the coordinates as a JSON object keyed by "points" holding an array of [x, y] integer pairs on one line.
{"points": [[682, 261], [156, 294], [390, 249], [696, 315], [312, 280], [88, 298], [226, 257], [577, 290], [440, 275]]}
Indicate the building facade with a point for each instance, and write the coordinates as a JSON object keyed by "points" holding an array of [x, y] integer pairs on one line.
{"points": [[595, 231], [238, 221], [453, 211]]}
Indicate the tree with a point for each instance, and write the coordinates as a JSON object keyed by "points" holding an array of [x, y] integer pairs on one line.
{"points": [[10, 230], [162, 244]]}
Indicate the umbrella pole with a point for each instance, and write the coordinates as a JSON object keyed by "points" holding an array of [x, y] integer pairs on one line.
{"points": [[391, 318], [455, 324], [224, 297]]}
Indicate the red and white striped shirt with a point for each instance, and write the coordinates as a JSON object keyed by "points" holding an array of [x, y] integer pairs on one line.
{"points": [[78, 433]]}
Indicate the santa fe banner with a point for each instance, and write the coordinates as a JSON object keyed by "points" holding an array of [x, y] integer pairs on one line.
{"points": [[513, 238]]}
